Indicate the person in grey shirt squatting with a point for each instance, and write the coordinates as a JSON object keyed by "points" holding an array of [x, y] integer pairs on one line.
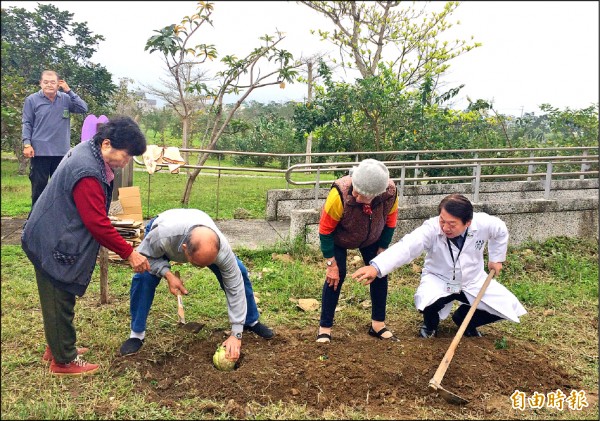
{"points": [[190, 235]]}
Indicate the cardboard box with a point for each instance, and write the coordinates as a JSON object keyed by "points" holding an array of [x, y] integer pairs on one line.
{"points": [[131, 201]]}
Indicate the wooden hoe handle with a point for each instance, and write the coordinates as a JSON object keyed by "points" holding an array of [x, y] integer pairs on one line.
{"points": [[436, 380], [180, 311]]}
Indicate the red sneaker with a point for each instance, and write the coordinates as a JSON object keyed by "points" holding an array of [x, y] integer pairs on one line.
{"points": [[47, 357], [77, 367]]}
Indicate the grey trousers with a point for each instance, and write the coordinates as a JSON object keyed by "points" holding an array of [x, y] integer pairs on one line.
{"points": [[58, 312]]}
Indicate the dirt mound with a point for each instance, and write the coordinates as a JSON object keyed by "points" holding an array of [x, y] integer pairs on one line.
{"points": [[354, 371]]}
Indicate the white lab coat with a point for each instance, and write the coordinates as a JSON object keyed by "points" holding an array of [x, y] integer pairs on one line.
{"points": [[470, 273]]}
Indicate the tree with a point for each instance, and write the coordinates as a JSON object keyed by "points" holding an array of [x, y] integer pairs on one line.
{"points": [[159, 121], [241, 76], [378, 114], [181, 60], [310, 82], [368, 31], [573, 127], [400, 55], [127, 102], [359, 116], [14, 89], [47, 38], [267, 133]]}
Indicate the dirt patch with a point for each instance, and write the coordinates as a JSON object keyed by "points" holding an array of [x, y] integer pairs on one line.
{"points": [[354, 371]]}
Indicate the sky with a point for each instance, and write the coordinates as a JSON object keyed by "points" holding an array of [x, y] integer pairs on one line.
{"points": [[533, 52]]}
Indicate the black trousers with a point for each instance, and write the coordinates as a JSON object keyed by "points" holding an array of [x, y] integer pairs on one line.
{"points": [[431, 317], [378, 288], [41, 169]]}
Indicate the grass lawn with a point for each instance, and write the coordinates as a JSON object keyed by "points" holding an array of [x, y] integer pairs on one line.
{"points": [[219, 196], [557, 282]]}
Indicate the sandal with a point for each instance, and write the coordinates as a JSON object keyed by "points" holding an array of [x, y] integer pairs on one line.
{"points": [[381, 332], [323, 338]]}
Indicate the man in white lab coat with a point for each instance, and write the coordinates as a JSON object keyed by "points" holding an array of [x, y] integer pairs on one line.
{"points": [[454, 242]]}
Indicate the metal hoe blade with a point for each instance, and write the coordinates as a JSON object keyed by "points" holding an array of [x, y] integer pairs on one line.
{"points": [[447, 395], [192, 326]]}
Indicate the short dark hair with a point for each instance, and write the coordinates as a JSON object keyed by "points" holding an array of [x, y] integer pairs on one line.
{"points": [[49, 71], [458, 206], [124, 134], [192, 247]]}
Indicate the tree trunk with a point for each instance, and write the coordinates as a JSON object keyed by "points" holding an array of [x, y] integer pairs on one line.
{"points": [[309, 148], [191, 179], [185, 127], [103, 275], [188, 187], [23, 162]]}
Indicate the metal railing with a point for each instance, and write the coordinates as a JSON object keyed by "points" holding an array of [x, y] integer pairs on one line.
{"points": [[410, 167], [555, 167]]}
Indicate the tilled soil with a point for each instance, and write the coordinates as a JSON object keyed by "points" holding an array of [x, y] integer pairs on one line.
{"points": [[353, 372]]}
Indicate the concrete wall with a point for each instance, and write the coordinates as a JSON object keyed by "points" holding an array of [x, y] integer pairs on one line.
{"points": [[280, 203], [572, 210], [535, 220]]}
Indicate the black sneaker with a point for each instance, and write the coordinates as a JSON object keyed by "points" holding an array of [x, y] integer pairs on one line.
{"points": [[261, 330], [427, 333], [473, 333], [131, 346]]}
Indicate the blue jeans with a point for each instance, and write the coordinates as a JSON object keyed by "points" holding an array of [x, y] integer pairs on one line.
{"points": [[378, 288], [143, 289]]}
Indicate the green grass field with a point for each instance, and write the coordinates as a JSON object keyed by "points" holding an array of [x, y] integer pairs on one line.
{"points": [[559, 275], [557, 282], [218, 195]]}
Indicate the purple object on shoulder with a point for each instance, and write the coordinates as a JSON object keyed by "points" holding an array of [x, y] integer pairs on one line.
{"points": [[90, 126]]}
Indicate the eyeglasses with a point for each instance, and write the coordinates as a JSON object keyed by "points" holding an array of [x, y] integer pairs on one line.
{"points": [[49, 82]]}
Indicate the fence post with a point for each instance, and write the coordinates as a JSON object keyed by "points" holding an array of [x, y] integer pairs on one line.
{"points": [[416, 170], [287, 184], [584, 166], [218, 184], [477, 182], [148, 214], [123, 178], [317, 186], [103, 257], [530, 167], [402, 177], [548, 181], [475, 156]]}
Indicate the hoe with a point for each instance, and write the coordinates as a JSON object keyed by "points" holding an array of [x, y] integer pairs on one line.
{"points": [[436, 380]]}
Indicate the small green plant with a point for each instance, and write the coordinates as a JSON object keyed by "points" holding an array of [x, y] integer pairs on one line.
{"points": [[501, 343]]}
